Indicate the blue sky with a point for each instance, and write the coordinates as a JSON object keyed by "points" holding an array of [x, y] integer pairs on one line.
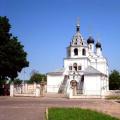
{"points": [[45, 28]]}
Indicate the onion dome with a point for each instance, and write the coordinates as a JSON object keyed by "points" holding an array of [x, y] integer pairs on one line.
{"points": [[98, 45], [90, 40]]}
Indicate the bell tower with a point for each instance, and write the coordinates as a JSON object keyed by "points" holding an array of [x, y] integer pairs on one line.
{"points": [[77, 38], [77, 47]]}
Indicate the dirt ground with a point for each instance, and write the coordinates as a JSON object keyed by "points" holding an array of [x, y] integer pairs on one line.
{"points": [[33, 108]]}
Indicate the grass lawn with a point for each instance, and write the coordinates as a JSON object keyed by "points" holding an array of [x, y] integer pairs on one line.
{"points": [[117, 97], [76, 114]]}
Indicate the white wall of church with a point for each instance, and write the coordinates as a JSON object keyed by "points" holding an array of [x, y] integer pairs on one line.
{"points": [[100, 64], [71, 53], [82, 55], [92, 85], [53, 83], [80, 62], [102, 67]]}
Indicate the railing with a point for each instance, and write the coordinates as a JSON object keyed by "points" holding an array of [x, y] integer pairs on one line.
{"points": [[63, 84], [24, 89], [79, 91], [30, 89]]}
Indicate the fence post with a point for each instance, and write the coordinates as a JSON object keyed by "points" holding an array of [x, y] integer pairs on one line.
{"points": [[37, 91], [26, 87], [70, 93], [12, 89], [35, 88]]}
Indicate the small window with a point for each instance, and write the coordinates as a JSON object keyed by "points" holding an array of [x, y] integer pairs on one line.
{"points": [[81, 43], [82, 78], [75, 43], [66, 76], [75, 51], [84, 52], [75, 66], [90, 46], [70, 67], [79, 67]]}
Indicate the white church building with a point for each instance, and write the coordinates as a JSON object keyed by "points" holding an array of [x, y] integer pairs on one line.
{"points": [[85, 70]]}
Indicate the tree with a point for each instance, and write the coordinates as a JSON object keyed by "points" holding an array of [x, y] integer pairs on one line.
{"points": [[12, 54], [114, 80], [16, 81], [37, 77]]}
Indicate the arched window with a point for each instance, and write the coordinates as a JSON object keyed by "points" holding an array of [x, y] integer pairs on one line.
{"points": [[70, 67], [90, 47], [75, 51], [79, 67], [82, 78], [75, 66], [83, 52]]}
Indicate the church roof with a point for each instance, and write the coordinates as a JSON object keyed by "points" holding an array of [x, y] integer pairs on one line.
{"points": [[77, 38], [92, 71], [98, 45], [90, 40], [57, 72]]}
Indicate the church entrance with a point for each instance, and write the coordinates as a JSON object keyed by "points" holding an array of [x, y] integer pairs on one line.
{"points": [[74, 86]]}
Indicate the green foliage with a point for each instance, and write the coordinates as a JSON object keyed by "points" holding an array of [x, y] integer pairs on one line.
{"points": [[37, 77], [12, 54], [2, 82], [114, 80], [16, 81], [76, 114]]}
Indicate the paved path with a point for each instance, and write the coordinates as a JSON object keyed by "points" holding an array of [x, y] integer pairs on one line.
{"points": [[32, 108]]}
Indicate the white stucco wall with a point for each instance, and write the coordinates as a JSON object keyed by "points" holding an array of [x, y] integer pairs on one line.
{"points": [[100, 64], [102, 67], [92, 85], [83, 62], [54, 82]]}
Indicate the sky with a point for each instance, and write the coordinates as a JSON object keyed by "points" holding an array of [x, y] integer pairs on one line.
{"points": [[46, 27]]}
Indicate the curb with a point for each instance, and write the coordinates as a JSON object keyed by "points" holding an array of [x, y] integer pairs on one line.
{"points": [[46, 114]]}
